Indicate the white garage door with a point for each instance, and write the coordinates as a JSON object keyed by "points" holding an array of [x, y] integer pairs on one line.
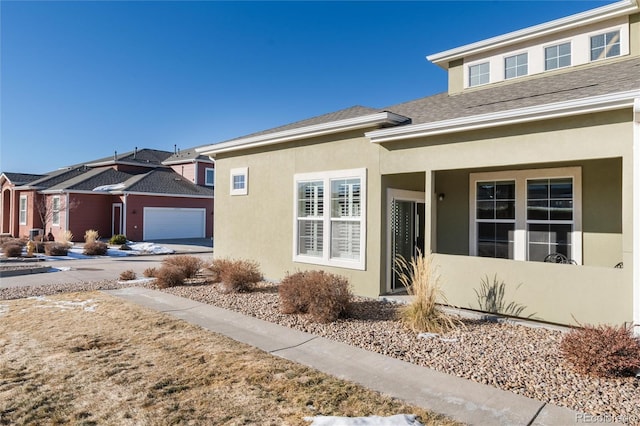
{"points": [[162, 223]]}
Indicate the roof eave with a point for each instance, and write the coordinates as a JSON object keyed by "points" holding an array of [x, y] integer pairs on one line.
{"points": [[364, 121], [621, 8], [521, 115]]}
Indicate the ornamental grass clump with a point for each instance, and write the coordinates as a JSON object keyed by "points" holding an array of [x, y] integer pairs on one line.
{"points": [[604, 350], [128, 275], [91, 236], [12, 248], [322, 296], [422, 281]]}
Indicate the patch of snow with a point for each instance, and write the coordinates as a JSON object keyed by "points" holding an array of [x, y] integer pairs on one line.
{"points": [[86, 305], [397, 420], [4, 309], [427, 335], [137, 281], [60, 269], [106, 188], [150, 248]]}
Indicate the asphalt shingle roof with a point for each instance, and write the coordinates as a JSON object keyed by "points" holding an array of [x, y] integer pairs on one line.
{"points": [[92, 179], [619, 76], [22, 178], [184, 156], [144, 156], [165, 182]]}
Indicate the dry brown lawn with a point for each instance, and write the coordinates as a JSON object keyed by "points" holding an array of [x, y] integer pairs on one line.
{"points": [[89, 358]]}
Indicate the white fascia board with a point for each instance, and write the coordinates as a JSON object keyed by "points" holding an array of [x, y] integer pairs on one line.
{"points": [[503, 118], [303, 132], [153, 194], [603, 13]]}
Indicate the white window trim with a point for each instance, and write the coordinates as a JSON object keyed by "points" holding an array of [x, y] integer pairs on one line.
{"points": [[468, 73], [26, 209], [326, 177], [621, 42], [212, 183], [557, 44], [54, 211], [514, 55], [240, 171], [520, 245]]}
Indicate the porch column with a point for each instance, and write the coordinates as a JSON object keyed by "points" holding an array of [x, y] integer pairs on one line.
{"points": [[635, 265], [430, 217]]}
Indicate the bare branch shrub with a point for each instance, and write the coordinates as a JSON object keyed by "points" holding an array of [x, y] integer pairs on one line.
{"points": [[190, 265], [422, 281], [128, 275], [237, 276], [605, 350], [216, 269], [56, 249], [169, 276], [12, 249], [324, 297], [95, 248], [150, 272]]}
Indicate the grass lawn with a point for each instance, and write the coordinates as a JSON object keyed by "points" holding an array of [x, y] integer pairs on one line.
{"points": [[89, 358]]}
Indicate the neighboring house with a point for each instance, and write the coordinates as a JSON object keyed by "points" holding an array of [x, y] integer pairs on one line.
{"points": [[534, 150], [145, 194]]}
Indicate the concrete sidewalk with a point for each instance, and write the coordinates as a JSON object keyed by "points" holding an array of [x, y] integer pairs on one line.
{"points": [[460, 399]]}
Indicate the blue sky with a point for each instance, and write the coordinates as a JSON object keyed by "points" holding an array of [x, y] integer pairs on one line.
{"points": [[80, 80]]}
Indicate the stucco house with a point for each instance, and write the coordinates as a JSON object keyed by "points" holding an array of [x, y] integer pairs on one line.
{"points": [[146, 194], [533, 150]]}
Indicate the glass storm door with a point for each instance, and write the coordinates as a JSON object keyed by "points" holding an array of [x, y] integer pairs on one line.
{"points": [[407, 234]]}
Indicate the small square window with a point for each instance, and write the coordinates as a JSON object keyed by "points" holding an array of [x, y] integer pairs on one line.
{"points": [[479, 74], [605, 45], [558, 56], [516, 66], [239, 181], [209, 176]]}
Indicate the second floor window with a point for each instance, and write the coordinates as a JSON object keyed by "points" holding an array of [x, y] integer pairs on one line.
{"points": [[479, 74], [209, 177], [558, 56], [605, 45], [516, 66]]}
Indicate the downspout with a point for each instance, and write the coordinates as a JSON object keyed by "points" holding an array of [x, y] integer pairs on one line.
{"points": [[635, 265], [195, 172], [12, 219]]}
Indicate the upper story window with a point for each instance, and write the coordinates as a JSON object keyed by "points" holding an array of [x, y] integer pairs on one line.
{"points": [[239, 181], [558, 56], [516, 66], [209, 176], [478, 74], [605, 45]]}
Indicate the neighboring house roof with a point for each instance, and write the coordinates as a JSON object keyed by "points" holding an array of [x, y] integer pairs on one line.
{"points": [[21, 178], [143, 157], [56, 177], [186, 156], [162, 181], [92, 179], [614, 77]]}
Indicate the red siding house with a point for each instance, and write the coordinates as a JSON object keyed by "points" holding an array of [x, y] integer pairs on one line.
{"points": [[145, 194]]}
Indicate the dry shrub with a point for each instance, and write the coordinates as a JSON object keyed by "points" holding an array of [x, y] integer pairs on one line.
{"points": [[169, 276], [605, 350], [91, 236], [236, 276], [150, 272], [12, 249], [56, 249], [190, 265], [422, 281], [216, 269], [324, 297], [128, 275], [95, 248]]}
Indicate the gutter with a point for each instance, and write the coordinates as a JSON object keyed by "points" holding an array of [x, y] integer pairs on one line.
{"points": [[621, 8], [381, 118], [589, 105]]}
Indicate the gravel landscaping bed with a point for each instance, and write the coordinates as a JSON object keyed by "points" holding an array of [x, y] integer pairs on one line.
{"points": [[516, 358]]}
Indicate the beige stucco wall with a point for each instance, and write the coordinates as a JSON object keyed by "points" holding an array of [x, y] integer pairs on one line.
{"points": [[260, 225]]}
